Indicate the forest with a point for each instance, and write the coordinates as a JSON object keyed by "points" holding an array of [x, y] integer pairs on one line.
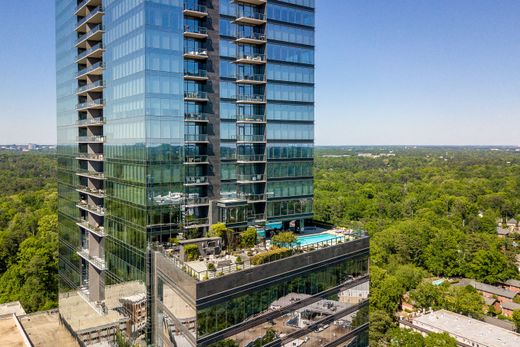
{"points": [[28, 230], [429, 212]]}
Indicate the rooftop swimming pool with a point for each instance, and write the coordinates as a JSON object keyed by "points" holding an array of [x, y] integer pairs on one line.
{"points": [[305, 240]]}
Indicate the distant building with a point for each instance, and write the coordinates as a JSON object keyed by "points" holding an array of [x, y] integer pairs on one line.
{"points": [[467, 331], [509, 307], [512, 285], [489, 291]]}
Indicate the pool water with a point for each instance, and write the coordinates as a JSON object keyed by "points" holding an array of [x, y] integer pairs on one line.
{"points": [[310, 239]]}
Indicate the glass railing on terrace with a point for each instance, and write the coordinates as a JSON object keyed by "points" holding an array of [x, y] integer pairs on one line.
{"points": [[251, 118], [90, 173], [91, 103], [91, 191], [92, 156], [251, 77], [251, 157], [204, 200], [251, 14], [196, 221], [196, 159], [196, 51], [251, 138], [89, 51], [96, 261], [195, 179], [251, 57], [196, 95], [89, 33], [90, 68], [195, 29], [195, 7], [198, 73], [196, 137], [91, 121], [251, 35], [196, 116], [253, 197], [93, 138], [89, 86], [251, 177], [100, 210], [85, 19], [252, 98]]}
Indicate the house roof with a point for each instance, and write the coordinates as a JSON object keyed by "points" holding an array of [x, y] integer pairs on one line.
{"points": [[511, 221], [487, 288], [489, 301], [503, 231], [513, 283], [512, 306]]}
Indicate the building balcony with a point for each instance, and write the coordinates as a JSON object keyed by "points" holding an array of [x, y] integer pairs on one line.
{"points": [[195, 33], [95, 51], [97, 262], [252, 178], [94, 17], [196, 223], [94, 69], [200, 75], [251, 99], [199, 54], [90, 157], [81, 9], [254, 18], [254, 197], [94, 209], [251, 158], [91, 174], [252, 2], [251, 138], [196, 96], [97, 193], [90, 139], [196, 160], [196, 138], [255, 59], [92, 104], [196, 201], [196, 117], [96, 87], [95, 229], [251, 79], [95, 34], [98, 121], [259, 217], [194, 10], [195, 180], [251, 38], [251, 118]]}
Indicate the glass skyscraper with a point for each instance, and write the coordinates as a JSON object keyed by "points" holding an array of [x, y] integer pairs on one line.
{"points": [[172, 116]]}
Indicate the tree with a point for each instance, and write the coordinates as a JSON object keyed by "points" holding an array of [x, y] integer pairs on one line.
{"points": [[285, 237], [516, 319], [217, 230], [404, 338], [410, 275], [386, 291], [426, 296], [439, 340], [490, 266], [380, 322], [248, 238]]}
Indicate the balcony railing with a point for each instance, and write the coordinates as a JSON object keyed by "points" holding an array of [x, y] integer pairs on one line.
{"points": [[251, 157], [195, 30], [97, 229], [196, 137], [90, 156], [96, 261], [97, 210], [251, 36], [196, 117], [253, 118], [195, 179], [251, 98], [98, 193], [201, 52], [94, 138], [91, 174], [196, 221], [253, 15], [251, 178], [89, 33], [195, 7], [254, 197], [251, 78], [90, 68], [195, 159], [95, 12], [251, 138], [90, 104], [91, 121], [90, 86], [89, 51], [196, 95], [252, 58], [199, 73], [204, 200]]}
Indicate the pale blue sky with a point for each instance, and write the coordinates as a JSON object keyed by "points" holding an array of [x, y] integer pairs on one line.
{"points": [[387, 72]]}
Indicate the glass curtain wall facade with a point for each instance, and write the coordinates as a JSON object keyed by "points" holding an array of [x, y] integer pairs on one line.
{"points": [[173, 115]]}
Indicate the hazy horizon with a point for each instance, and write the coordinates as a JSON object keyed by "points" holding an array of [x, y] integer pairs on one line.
{"points": [[393, 73]]}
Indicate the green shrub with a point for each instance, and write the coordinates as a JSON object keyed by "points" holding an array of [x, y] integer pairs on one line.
{"points": [[271, 255], [238, 260], [285, 237], [248, 238], [211, 267], [191, 252]]}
